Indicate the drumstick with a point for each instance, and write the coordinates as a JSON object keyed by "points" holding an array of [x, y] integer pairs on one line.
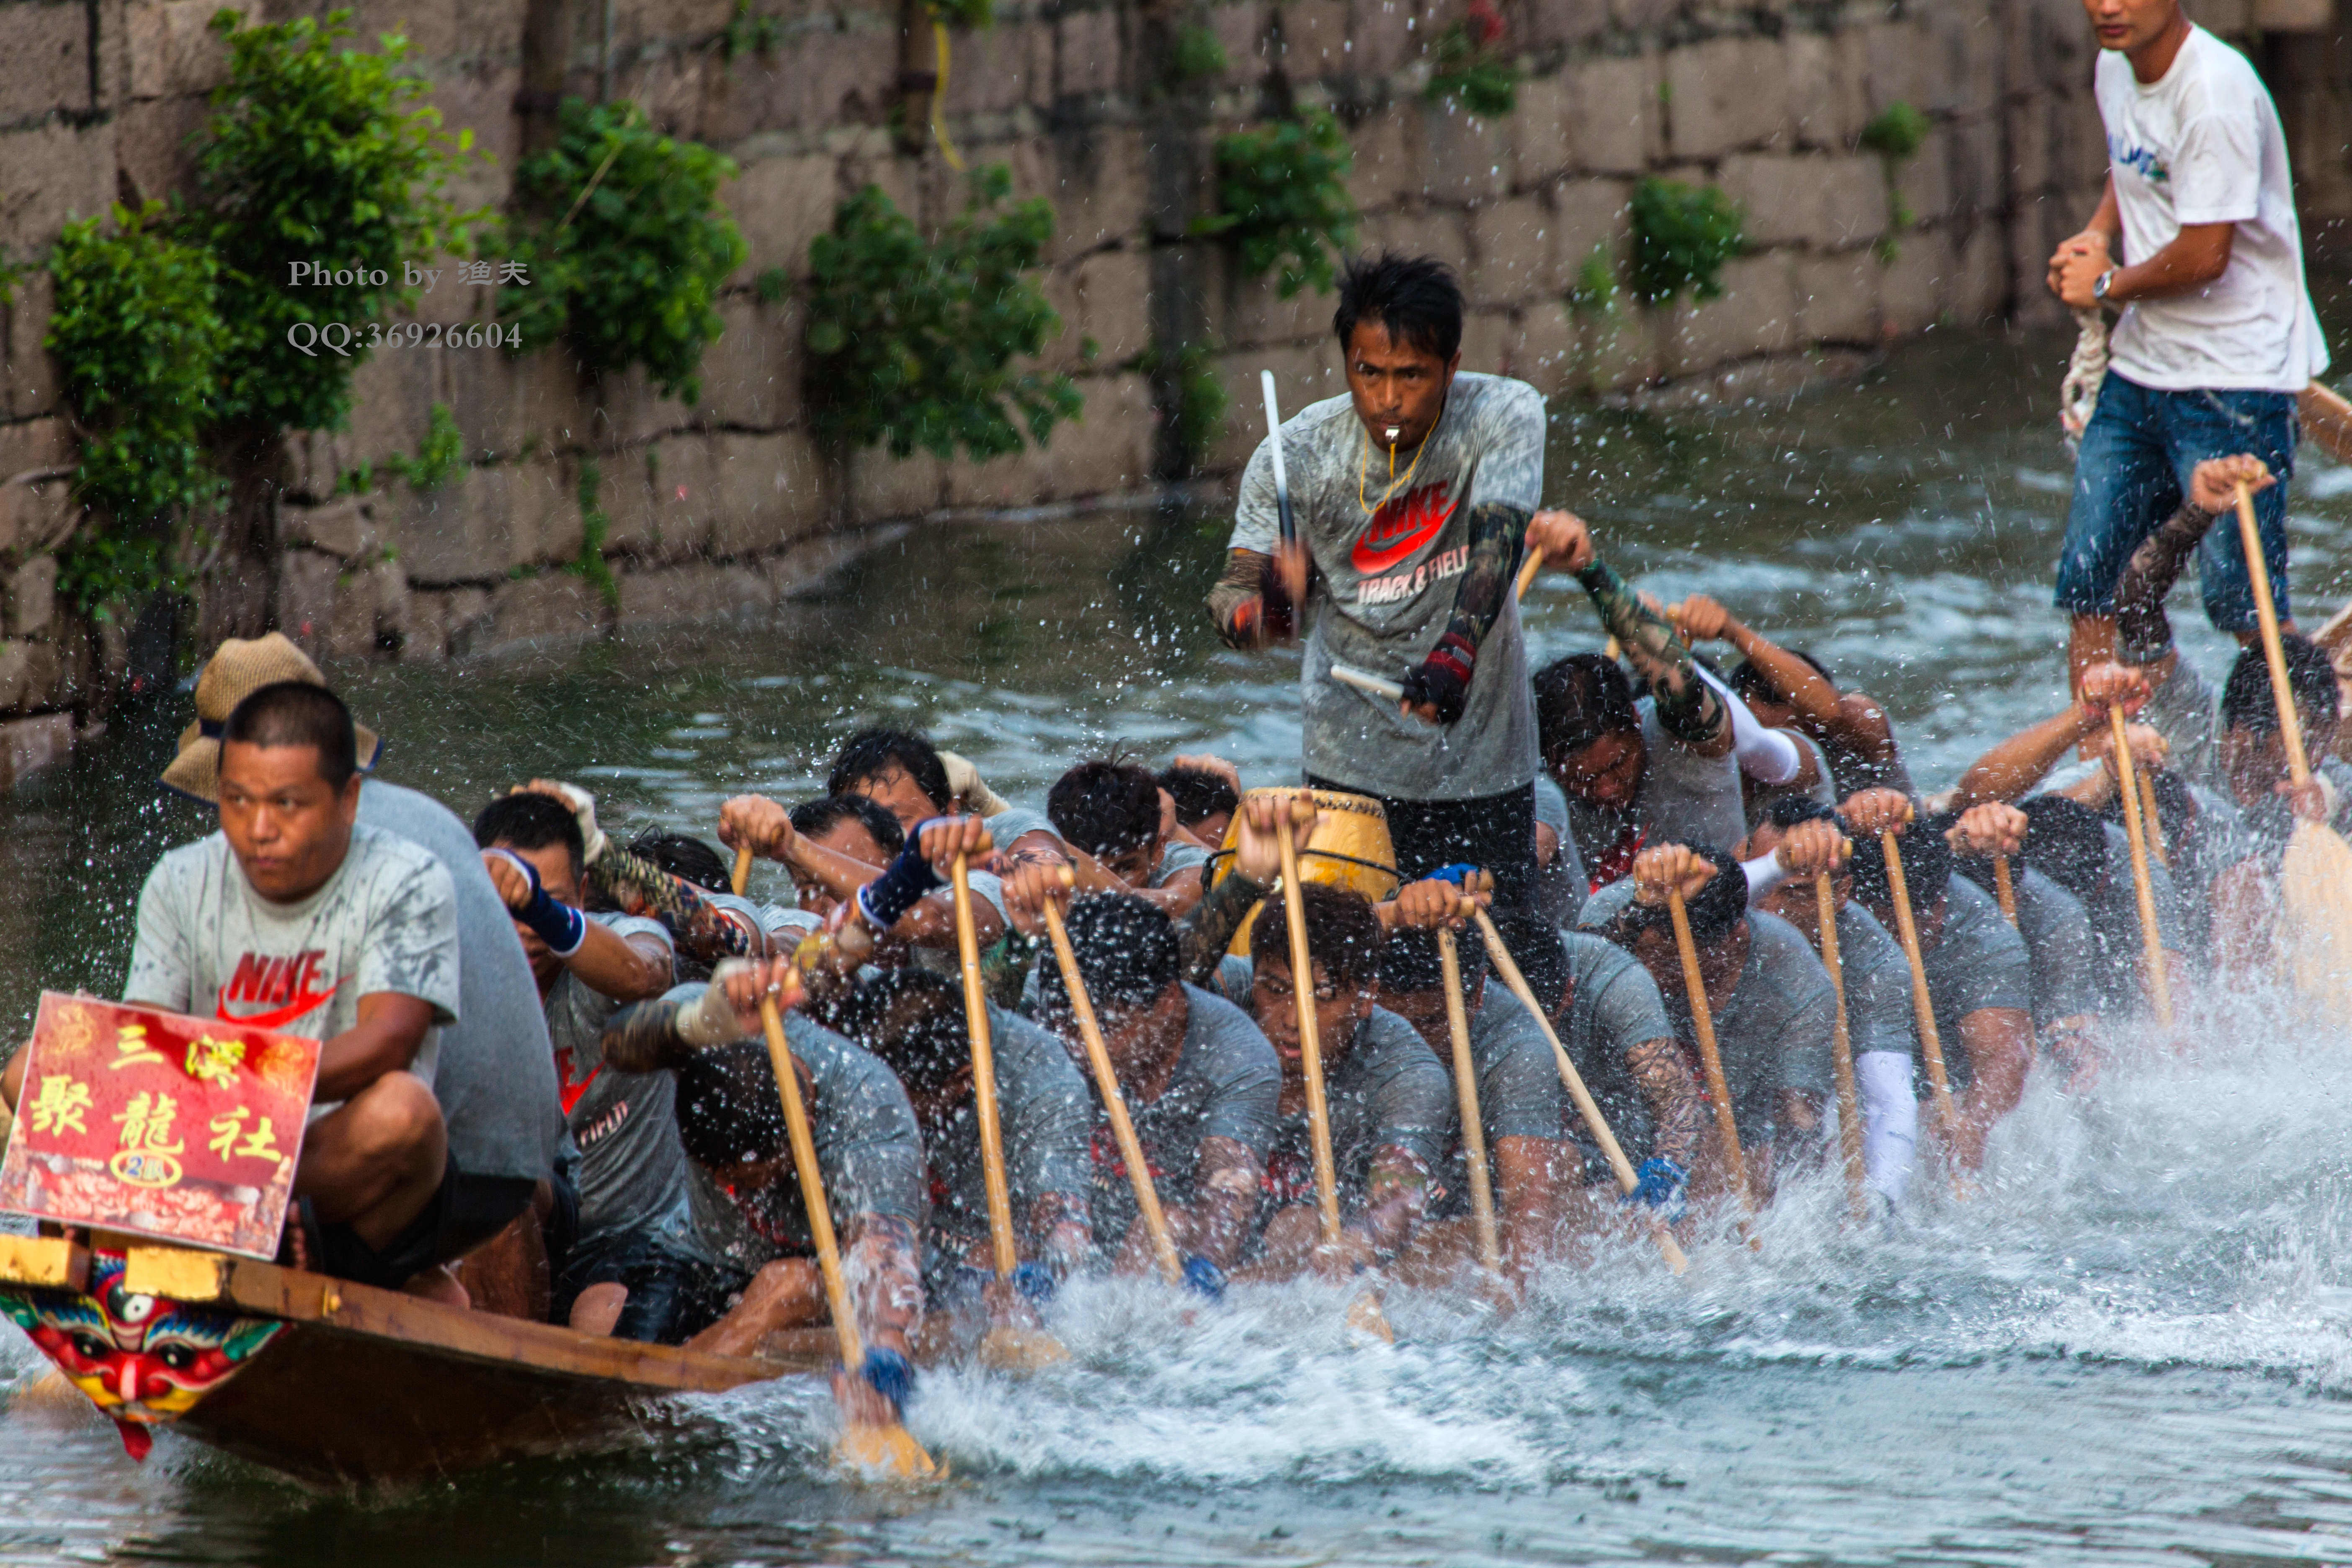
{"points": [[1347, 675], [1281, 477]]}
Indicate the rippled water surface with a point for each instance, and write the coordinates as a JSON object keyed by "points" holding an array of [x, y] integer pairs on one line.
{"points": [[2133, 1344]]}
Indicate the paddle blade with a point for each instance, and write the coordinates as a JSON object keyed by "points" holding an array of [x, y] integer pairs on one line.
{"points": [[1365, 1316], [1021, 1351], [2316, 925], [888, 1451]]}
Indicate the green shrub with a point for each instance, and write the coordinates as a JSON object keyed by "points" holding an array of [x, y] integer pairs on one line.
{"points": [[1681, 236], [747, 34], [1191, 373], [626, 246], [320, 153], [137, 335], [1282, 199], [1199, 55], [438, 456], [1595, 286], [1469, 68], [1896, 133], [590, 566], [911, 343]]}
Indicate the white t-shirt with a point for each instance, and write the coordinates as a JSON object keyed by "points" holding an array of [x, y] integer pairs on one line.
{"points": [[386, 921], [2203, 144]]}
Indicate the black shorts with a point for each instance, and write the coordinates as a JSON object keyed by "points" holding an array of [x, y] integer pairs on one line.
{"points": [[660, 1282], [1493, 832], [464, 1211]]}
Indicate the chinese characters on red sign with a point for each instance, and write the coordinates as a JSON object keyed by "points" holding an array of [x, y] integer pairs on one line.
{"points": [[133, 1118]]}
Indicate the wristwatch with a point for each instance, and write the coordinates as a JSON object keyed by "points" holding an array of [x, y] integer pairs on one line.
{"points": [[2099, 289]]}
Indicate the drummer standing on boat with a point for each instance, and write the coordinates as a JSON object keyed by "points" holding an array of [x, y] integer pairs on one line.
{"points": [[1413, 495]]}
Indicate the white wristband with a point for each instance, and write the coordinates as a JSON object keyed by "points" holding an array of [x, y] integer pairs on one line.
{"points": [[711, 1020], [1764, 874], [1767, 756]]}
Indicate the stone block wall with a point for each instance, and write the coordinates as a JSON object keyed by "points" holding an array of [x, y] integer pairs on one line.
{"points": [[719, 507]]}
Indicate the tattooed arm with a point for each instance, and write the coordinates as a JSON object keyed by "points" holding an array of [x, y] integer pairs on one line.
{"points": [[1686, 706], [1251, 608], [1671, 1092], [1437, 689], [1205, 937], [886, 1286], [634, 885], [1396, 1190]]}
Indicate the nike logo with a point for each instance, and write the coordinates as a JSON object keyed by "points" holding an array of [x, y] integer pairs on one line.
{"points": [[1401, 528]]}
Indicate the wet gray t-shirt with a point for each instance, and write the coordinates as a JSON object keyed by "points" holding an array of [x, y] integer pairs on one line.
{"points": [[1561, 886], [386, 921], [1977, 961], [632, 1170], [867, 1150], [1386, 575], [1044, 1116], [1387, 1089], [1015, 823], [496, 1080], [1613, 1007], [1879, 1010], [1685, 798], [1226, 1084], [1175, 859], [2058, 941], [1520, 1094], [1774, 1033]]}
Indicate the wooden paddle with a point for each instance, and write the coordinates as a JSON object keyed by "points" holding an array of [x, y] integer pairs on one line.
{"points": [[1122, 1126], [1465, 1094], [1719, 1088], [2315, 878], [1842, 1052], [1923, 1003], [1005, 1346], [2004, 889], [884, 1447], [742, 870], [1594, 1123], [2155, 821], [1527, 571], [1365, 1313], [2159, 987]]}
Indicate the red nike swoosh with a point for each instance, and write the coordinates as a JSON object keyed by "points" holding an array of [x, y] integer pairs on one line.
{"points": [[1402, 527], [279, 1017]]}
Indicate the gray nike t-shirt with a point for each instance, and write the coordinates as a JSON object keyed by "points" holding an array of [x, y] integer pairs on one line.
{"points": [[208, 944], [1977, 960], [1226, 1084], [1774, 1033], [1044, 1116], [1386, 573], [632, 1170], [496, 1080], [1386, 1089], [1613, 1007], [867, 1151], [1519, 1093]]}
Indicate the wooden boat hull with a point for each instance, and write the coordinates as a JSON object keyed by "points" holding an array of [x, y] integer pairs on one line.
{"points": [[342, 1383]]}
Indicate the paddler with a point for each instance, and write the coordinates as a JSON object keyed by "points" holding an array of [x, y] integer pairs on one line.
{"points": [[759, 1272], [1767, 993], [295, 917], [2253, 759], [913, 780], [2065, 953], [1115, 810], [2195, 241], [1390, 1103], [1664, 769], [620, 1273], [1411, 497]]}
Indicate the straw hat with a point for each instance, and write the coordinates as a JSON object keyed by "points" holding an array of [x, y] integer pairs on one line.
{"points": [[237, 670]]}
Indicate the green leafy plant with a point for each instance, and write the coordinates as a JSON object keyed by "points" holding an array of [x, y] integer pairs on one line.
{"points": [[747, 34], [438, 456], [626, 246], [1282, 199], [1198, 411], [138, 337], [962, 12], [1199, 55], [1468, 65], [590, 566], [1594, 287], [322, 154], [1681, 236], [1896, 132], [912, 342]]}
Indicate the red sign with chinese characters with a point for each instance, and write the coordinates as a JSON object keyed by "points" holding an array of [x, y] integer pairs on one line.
{"points": [[133, 1118]]}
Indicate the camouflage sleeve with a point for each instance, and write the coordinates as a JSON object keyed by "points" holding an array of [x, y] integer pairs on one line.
{"points": [[636, 886], [1247, 602], [1686, 707], [2144, 632], [1498, 529], [1210, 931], [643, 1037]]}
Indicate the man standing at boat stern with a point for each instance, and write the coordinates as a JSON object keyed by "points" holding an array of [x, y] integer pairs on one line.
{"points": [[2196, 242], [1411, 497]]}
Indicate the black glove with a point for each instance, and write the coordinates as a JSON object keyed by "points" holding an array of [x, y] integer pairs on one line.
{"points": [[1442, 679]]}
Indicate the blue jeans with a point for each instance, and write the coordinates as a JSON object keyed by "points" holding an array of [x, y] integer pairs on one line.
{"points": [[2133, 470]]}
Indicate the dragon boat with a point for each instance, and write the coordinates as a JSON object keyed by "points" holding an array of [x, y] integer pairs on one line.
{"points": [[335, 1383]]}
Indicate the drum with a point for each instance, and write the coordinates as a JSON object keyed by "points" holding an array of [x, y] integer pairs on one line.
{"points": [[1349, 848]]}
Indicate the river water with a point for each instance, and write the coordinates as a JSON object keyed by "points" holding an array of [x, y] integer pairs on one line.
{"points": [[2133, 1344]]}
